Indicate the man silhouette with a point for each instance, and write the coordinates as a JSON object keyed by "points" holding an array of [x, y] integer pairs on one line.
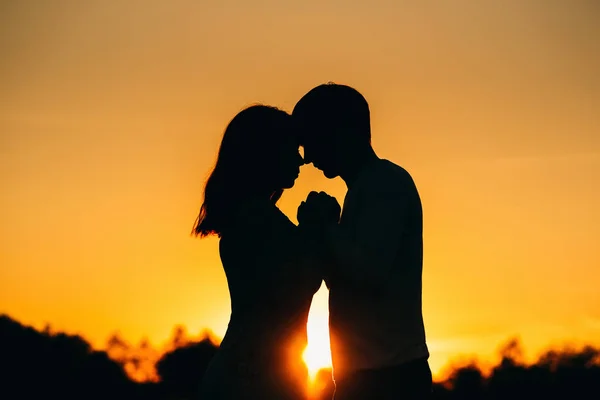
{"points": [[374, 251]]}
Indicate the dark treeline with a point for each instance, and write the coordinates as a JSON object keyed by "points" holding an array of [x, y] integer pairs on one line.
{"points": [[43, 364]]}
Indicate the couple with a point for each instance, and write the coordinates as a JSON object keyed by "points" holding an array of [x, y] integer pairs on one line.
{"points": [[370, 256]]}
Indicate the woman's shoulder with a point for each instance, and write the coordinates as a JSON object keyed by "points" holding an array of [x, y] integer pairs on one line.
{"points": [[262, 235], [255, 225], [259, 218]]}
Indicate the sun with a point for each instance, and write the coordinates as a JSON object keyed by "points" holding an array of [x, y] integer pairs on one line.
{"points": [[317, 354]]}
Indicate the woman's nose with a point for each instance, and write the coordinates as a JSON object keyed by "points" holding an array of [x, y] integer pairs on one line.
{"points": [[301, 160]]}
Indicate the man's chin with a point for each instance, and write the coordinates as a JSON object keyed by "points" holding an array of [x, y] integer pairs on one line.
{"points": [[289, 184], [327, 172], [330, 175]]}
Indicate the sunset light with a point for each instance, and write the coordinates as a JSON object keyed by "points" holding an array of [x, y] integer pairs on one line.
{"points": [[111, 118], [317, 354]]}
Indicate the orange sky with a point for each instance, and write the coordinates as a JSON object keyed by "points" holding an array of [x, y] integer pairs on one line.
{"points": [[111, 113]]}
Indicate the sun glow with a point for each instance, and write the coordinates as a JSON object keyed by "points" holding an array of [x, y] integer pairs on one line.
{"points": [[317, 354]]}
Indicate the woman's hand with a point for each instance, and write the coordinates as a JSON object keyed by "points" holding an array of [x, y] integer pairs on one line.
{"points": [[319, 210]]}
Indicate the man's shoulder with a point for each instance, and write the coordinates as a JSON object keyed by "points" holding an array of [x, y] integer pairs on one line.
{"points": [[394, 169], [389, 176]]}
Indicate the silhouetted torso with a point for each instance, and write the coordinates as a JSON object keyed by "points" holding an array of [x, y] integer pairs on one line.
{"points": [[271, 288], [375, 307]]}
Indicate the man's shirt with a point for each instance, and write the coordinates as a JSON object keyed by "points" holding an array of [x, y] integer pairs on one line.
{"points": [[375, 311]]}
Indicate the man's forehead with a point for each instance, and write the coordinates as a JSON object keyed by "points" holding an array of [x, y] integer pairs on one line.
{"points": [[306, 137], [302, 132]]}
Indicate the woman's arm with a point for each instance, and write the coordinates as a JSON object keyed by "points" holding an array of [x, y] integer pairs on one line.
{"points": [[276, 256]]}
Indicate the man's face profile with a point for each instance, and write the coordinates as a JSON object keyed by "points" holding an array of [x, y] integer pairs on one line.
{"points": [[319, 149]]}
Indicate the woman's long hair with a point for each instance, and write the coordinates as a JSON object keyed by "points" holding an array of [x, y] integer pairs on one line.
{"points": [[244, 166]]}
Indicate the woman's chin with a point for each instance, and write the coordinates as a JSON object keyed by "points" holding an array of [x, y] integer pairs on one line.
{"points": [[288, 184]]}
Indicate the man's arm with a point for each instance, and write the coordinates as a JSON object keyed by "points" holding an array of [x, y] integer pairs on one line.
{"points": [[319, 210], [365, 257]]}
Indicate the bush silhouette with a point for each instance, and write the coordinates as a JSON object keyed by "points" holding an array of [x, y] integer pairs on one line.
{"points": [[180, 370], [41, 364]]}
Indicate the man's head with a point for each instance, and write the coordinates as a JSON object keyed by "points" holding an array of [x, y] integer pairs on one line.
{"points": [[334, 125]]}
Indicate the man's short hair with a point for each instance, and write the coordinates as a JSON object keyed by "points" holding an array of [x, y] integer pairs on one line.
{"points": [[334, 105]]}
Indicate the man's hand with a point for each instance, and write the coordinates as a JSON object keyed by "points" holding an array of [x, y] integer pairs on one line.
{"points": [[318, 210], [314, 215]]}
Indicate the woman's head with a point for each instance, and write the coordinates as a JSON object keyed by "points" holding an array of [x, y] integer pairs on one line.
{"points": [[258, 158]]}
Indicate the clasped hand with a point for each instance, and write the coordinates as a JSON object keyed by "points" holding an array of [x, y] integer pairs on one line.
{"points": [[318, 210]]}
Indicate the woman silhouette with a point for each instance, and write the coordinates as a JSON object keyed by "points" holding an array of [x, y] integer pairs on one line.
{"points": [[267, 260]]}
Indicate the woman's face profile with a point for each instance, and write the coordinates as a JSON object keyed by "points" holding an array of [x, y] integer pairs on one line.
{"points": [[287, 161]]}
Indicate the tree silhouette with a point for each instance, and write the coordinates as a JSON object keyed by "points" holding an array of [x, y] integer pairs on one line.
{"points": [[180, 370], [45, 364], [40, 365]]}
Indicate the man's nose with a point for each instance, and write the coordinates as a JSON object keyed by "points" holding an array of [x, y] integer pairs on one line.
{"points": [[306, 159]]}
